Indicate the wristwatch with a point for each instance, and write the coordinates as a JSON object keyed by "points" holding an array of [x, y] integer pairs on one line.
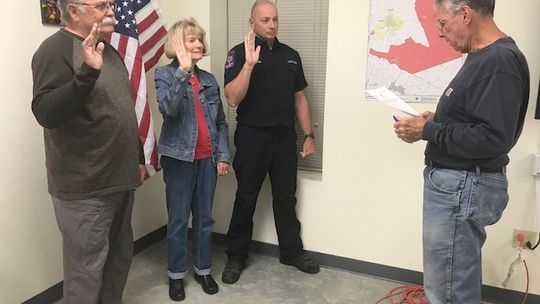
{"points": [[309, 135]]}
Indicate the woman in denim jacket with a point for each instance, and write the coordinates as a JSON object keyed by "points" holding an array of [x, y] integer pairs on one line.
{"points": [[194, 150]]}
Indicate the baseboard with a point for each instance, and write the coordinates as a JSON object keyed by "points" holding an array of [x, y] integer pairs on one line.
{"points": [[49, 296], [491, 294], [405, 276], [54, 293], [150, 239]]}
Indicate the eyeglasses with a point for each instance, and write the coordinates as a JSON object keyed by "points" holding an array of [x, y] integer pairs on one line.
{"points": [[101, 6]]}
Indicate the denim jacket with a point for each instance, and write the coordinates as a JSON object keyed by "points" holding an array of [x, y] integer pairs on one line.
{"points": [[176, 103]]}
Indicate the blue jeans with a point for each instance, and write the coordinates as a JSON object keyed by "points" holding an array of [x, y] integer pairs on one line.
{"points": [[457, 207], [189, 188]]}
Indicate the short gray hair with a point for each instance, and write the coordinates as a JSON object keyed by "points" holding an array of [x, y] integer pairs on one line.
{"points": [[482, 7], [62, 6], [259, 2]]}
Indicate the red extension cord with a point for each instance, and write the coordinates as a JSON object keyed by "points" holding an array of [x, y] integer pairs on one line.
{"points": [[410, 294], [414, 294]]}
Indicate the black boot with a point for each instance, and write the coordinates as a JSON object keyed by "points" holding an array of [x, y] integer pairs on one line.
{"points": [[232, 271], [208, 284], [176, 290], [303, 262]]}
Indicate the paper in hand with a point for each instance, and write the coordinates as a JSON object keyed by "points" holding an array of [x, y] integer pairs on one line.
{"points": [[387, 97]]}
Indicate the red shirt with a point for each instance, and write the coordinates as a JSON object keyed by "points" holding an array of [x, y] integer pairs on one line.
{"points": [[203, 149]]}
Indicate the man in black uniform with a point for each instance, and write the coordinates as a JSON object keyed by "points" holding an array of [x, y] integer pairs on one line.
{"points": [[265, 79], [478, 120]]}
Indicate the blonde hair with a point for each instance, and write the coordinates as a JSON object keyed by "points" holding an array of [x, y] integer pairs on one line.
{"points": [[182, 28]]}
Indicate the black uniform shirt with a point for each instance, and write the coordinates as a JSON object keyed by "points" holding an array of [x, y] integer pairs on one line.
{"points": [[269, 101]]}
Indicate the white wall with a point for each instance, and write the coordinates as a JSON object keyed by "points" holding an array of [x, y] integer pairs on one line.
{"points": [[372, 183], [366, 205], [29, 241]]}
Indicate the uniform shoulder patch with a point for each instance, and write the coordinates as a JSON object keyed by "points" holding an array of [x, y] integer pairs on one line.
{"points": [[229, 63]]}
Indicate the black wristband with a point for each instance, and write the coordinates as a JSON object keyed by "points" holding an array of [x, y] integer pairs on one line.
{"points": [[309, 135]]}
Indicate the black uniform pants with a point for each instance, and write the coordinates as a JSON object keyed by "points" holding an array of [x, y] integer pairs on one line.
{"points": [[260, 151]]}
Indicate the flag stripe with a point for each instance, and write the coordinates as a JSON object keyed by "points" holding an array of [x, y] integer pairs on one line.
{"points": [[130, 53], [148, 64], [122, 48], [153, 40], [155, 49], [146, 22], [144, 127], [149, 31], [138, 82]]}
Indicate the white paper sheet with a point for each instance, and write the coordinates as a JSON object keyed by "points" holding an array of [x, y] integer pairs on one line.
{"points": [[387, 97]]}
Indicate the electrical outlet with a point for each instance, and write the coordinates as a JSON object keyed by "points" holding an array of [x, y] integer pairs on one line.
{"points": [[528, 236]]}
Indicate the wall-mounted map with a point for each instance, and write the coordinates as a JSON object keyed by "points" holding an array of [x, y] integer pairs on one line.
{"points": [[406, 53]]}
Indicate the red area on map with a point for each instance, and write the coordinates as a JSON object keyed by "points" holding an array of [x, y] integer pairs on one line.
{"points": [[414, 57]]}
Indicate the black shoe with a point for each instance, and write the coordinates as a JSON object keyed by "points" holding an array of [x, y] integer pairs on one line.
{"points": [[176, 290], [302, 262], [232, 271], [208, 284]]}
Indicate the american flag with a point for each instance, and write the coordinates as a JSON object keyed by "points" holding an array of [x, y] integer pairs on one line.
{"points": [[139, 35]]}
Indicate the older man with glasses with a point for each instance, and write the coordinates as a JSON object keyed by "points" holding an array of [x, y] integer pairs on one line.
{"points": [[94, 159]]}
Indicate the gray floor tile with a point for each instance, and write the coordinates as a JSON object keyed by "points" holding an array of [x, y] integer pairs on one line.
{"points": [[264, 281]]}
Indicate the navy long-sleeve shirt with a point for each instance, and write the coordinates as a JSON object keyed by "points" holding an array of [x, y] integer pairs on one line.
{"points": [[481, 114]]}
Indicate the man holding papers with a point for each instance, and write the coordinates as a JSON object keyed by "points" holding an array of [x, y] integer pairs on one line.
{"points": [[478, 120]]}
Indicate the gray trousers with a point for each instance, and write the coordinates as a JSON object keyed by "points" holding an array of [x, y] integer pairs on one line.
{"points": [[97, 243]]}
